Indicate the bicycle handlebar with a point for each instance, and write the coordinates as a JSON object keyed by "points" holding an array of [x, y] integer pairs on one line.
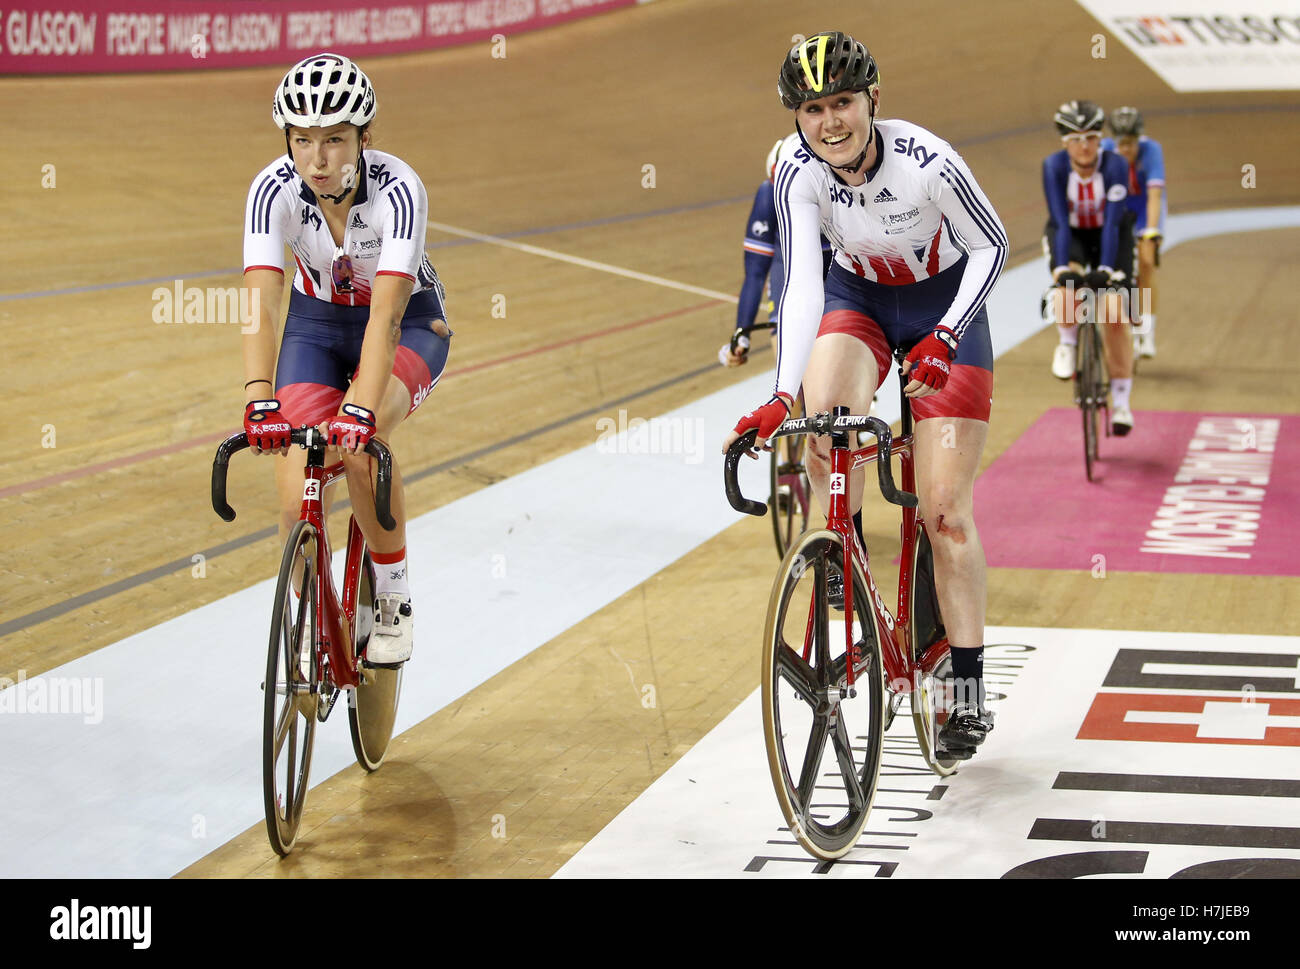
{"points": [[822, 423], [304, 437]]}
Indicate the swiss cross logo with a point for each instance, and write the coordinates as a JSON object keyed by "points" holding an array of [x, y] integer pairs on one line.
{"points": [[1163, 718], [1239, 717]]}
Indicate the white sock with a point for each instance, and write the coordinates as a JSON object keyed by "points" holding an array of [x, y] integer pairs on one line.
{"points": [[1119, 391], [1069, 335], [392, 578], [1149, 324]]}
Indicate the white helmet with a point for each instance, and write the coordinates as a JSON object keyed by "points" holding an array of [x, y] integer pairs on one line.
{"points": [[323, 90], [769, 169]]}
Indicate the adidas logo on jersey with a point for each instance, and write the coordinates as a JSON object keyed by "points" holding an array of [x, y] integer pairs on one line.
{"points": [[356, 221], [885, 196]]}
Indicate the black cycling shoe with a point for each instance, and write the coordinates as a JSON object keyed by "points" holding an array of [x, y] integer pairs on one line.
{"points": [[966, 729]]}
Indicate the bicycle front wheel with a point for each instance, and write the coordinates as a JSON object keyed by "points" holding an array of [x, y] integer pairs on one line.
{"points": [[823, 744], [1088, 378], [372, 708], [291, 695]]}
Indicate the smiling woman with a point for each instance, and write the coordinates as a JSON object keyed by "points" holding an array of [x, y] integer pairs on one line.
{"points": [[894, 199]]}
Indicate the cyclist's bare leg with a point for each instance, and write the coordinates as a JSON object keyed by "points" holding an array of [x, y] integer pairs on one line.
{"points": [[361, 471], [1066, 314], [948, 453], [841, 371], [1147, 275], [1117, 337]]}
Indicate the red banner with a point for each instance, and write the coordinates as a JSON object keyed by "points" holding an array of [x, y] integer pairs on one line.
{"points": [[43, 37]]}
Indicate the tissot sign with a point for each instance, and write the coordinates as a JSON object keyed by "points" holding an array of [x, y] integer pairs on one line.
{"points": [[1208, 45]]}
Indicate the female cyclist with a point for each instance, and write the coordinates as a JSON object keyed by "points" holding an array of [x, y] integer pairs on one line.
{"points": [[918, 249], [365, 339], [1146, 200]]}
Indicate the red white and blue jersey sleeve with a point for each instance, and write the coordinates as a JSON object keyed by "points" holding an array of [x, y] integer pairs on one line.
{"points": [[1114, 174], [760, 245], [1056, 182], [270, 201], [970, 215], [404, 209], [803, 296]]}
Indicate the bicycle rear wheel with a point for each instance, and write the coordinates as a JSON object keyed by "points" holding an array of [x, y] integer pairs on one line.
{"points": [[372, 707], [930, 694], [290, 691], [823, 746]]}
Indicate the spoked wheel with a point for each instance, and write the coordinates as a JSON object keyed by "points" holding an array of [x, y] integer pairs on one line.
{"points": [[789, 491], [930, 697], [823, 747], [372, 707], [290, 696], [1088, 402]]}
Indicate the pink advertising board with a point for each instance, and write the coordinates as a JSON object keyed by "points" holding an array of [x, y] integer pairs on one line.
{"points": [[43, 37]]}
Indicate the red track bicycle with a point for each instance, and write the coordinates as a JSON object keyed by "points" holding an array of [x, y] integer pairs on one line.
{"points": [[831, 686], [318, 639]]}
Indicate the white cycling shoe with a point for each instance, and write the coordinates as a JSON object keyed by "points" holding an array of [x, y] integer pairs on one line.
{"points": [[1121, 421], [1063, 361], [392, 637]]}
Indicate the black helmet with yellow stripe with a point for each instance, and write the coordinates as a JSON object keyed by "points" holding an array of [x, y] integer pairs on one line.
{"points": [[826, 63]]}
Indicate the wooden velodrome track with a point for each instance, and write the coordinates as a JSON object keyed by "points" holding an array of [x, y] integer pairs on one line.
{"points": [[152, 173]]}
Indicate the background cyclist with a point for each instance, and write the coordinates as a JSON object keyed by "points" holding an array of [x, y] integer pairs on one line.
{"points": [[763, 265], [365, 338], [918, 249], [1089, 242], [1147, 201]]}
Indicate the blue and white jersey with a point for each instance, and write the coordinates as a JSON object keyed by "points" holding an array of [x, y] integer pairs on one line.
{"points": [[384, 234], [1148, 172], [1095, 202], [919, 213]]}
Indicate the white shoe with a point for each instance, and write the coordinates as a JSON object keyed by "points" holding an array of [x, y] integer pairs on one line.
{"points": [[1146, 345], [1063, 361], [1121, 421], [391, 639]]}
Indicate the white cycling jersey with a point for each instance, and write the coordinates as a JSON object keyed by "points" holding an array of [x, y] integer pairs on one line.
{"points": [[919, 212], [385, 230]]}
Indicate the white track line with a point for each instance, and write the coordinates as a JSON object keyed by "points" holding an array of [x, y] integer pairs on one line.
{"points": [[585, 263]]}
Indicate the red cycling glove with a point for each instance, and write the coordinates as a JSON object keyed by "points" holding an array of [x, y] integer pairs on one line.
{"points": [[931, 358], [265, 428], [353, 430], [768, 417]]}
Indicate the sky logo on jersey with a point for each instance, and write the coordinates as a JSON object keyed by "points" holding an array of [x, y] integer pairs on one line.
{"points": [[913, 150], [819, 81]]}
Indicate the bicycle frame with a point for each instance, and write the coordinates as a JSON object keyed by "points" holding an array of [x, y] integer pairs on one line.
{"points": [[892, 631], [336, 618]]}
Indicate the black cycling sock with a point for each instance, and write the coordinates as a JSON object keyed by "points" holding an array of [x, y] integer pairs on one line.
{"points": [[857, 524], [968, 673]]}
